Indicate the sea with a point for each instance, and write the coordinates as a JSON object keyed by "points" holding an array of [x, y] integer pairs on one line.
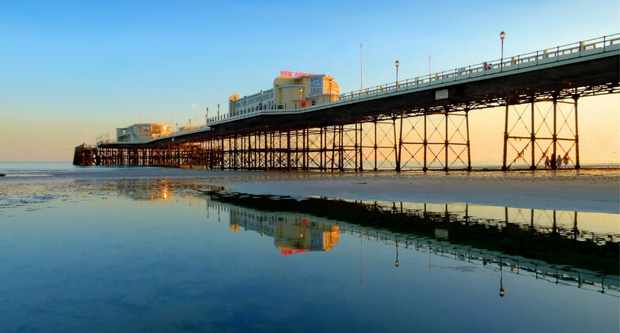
{"points": [[166, 250]]}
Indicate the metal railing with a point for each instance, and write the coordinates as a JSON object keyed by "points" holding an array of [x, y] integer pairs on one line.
{"points": [[498, 66], [506, 64]]}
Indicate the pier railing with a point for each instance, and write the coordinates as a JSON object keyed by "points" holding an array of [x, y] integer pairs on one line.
{"points": [[493, 67]]}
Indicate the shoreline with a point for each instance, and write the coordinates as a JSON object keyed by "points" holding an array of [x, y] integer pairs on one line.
{"points": [[590, 190]]}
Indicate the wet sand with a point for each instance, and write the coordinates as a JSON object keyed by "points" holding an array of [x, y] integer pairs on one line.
{"points": [[585, 190]]}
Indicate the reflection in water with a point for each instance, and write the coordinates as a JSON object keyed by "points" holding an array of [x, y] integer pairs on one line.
{"points": [[291, 234], [172, 264], [475, 241], [148, 190], [577, 249]]}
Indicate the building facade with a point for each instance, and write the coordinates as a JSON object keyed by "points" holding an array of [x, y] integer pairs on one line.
{"points": [[291, 90], [141, 132]]}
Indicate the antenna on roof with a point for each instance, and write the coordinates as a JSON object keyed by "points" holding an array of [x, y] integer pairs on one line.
{"points": [[429, 66], [361, 69]]}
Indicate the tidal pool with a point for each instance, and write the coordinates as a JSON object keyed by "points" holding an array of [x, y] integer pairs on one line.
{"points": [[157, 255]]}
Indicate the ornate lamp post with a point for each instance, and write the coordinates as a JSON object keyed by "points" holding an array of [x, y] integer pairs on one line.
{"points": [[396, 64], [502, 35]]}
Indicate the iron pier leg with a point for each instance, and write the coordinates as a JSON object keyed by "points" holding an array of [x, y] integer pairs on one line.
{"points": [[222, 153], [361, 147], [375, 146], [504, 167], [533, 135], [266, 159], [446, 143], [333, 146], [321, 150], [400, 143], [554, 165], [577, 163], [355, 149], [468, 142], [341, 149], [288, 150], [425, 143], [397, 142]]}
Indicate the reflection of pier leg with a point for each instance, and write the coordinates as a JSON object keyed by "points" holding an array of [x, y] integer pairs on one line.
{"points": [[466, 214], [575, 228]]}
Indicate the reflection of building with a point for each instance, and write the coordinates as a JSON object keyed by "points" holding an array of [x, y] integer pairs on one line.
{"points": [[291, 234], [290, 91], [141, 132], [148, 190]]}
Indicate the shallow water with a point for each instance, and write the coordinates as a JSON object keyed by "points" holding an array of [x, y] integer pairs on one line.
{"points": [[131, 254]]}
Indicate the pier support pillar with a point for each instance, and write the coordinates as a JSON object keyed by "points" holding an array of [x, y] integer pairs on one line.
{"points": [[541, 132]]}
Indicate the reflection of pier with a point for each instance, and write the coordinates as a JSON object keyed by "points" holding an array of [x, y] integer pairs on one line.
{"points": [[552, 252], [580, 226]]}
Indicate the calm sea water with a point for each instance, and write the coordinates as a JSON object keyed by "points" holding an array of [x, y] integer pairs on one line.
{"points": [[156, 255]]}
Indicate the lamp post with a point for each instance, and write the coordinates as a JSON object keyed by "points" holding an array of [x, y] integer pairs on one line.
{"points": [[396, 64], [396, 261], [502, 35], [207, 116]]}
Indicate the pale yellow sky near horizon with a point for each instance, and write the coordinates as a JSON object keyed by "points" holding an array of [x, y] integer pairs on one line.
{"points": [[45, 138]]}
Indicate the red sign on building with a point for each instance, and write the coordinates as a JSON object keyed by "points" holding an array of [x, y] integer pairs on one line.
{"points": [[293, 74]]}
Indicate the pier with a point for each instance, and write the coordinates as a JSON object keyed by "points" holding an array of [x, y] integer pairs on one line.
{"points": [[414, 124]]}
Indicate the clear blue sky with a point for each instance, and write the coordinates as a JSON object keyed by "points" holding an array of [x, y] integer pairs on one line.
{"points": [[98, 66]]}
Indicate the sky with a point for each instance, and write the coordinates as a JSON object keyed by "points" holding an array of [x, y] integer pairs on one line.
{"points": [[73, 70]]}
